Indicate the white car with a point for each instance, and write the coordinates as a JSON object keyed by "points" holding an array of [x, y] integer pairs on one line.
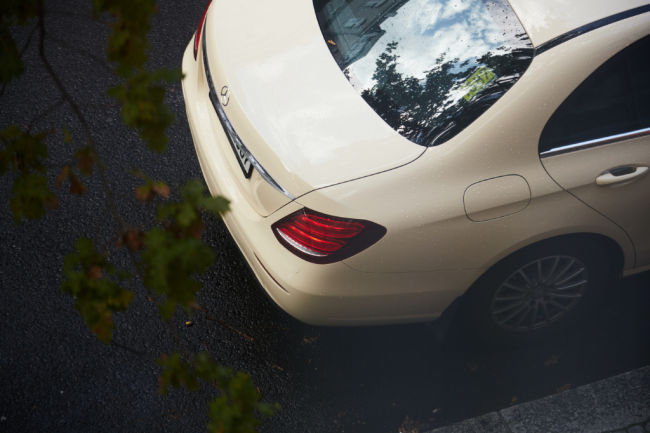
{"points": [[384, 158]]}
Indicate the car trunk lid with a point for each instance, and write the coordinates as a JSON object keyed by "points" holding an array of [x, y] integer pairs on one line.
{"points": [[289, 102]]}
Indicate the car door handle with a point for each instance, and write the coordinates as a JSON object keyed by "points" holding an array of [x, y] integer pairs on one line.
{"points": [[620, 174]]}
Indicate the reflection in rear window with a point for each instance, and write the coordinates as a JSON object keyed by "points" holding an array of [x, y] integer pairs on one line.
{"points": [[427, 67]]}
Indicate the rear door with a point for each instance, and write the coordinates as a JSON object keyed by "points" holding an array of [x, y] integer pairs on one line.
{"points": [[597, 143]]}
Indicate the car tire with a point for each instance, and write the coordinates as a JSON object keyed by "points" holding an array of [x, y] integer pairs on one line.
{"points": [[537, 291]]}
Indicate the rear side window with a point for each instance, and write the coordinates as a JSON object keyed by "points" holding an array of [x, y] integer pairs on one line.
{"points": [[614, 99], [428, 67]]}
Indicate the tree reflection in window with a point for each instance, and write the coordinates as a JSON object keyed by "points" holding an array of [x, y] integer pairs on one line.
{"points": [[427, 67], [453, 94]]}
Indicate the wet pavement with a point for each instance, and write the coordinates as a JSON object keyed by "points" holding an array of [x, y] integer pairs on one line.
{"points": [[618, 404]]}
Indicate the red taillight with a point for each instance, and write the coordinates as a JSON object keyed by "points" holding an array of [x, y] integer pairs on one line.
{"points": [[321, 238], [197, 35]]}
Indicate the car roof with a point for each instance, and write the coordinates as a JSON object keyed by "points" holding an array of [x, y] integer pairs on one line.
{"points": [[545, 20]]}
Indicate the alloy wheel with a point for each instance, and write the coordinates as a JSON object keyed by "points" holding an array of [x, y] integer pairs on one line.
{"points": [[539, 293]]}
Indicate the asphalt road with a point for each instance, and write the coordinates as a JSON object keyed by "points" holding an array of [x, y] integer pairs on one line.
{"points": [[56, 377]]}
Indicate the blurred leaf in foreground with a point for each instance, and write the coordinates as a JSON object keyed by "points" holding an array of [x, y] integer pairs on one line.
{"points": [[24, 153], [92, 281], [236, 407]]}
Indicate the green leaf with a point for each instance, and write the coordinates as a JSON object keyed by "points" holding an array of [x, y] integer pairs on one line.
{"points": [[194, 198], [186, 215], [11, 65], [173, 255], [237, 408], [13, 12], [21, 151], [94, 283], [127, 44], [30, 197], [176, 373], [216, 205], [24, 154], [151, 189], [169, 265], [143, 108]]}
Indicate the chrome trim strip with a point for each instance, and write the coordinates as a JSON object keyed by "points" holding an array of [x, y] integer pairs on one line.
{"points": [[230, 131], [595, 142], [267, 177]]}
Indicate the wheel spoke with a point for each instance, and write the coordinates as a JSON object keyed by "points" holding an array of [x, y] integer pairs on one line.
{"points": [[576, 273], [562, 272], [514, 314], [570, 286], [522, 317], [523, 274], [516, 288], [539, 292], [553, 268], [509, 307]]}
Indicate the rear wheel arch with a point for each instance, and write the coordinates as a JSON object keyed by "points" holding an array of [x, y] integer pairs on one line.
{"points": [[602, 256], [612, 249]]}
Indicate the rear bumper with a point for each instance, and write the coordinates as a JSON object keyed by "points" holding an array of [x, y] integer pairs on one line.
{"points": [[332, 294]]}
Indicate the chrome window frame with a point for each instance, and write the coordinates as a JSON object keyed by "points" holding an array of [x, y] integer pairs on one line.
{"points": [[595, 142]]}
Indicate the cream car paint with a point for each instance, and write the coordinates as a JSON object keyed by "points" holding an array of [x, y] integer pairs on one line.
{"points": [[496, 198], [545, 20], [312, 138], [432, 252]]}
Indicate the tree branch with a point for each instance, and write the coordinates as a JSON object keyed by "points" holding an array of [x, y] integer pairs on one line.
{"points": [[76, 108], [82, 119], [20, 54], [40, 116]]}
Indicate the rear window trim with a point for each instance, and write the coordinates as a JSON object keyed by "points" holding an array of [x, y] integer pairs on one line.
{"points": [[589, 27]]}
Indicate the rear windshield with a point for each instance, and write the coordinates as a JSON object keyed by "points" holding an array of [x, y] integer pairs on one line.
{"points": [[428, 67]]}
